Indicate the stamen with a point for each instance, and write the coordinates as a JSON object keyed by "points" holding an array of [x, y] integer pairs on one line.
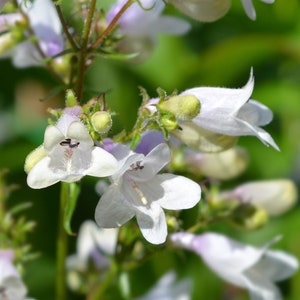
{"points": [[68, 142], [136, 166], [138, 191]]}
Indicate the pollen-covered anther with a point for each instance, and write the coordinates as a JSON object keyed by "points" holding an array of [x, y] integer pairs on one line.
{"points": [[136, 166]]}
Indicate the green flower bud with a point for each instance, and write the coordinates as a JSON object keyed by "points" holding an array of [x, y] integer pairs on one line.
{"points": [[71, 99], [169, 122], [184, 107], [34, 157], [101, 121]]}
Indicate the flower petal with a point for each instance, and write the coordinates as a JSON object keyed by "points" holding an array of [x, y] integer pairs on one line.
{"points": [[152, 223], [103, 163], [112, 210], [78, 131], [249, 9], [53, 136], [41, 175], [179, 192]]}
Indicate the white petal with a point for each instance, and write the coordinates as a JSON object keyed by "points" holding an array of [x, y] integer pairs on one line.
{"points": [[171, 25], [52, 137], [103, 163], [112, 210], [152, 223], [79, 132], [152, 163], [41, 176], [65, 121], [25, 55], [179, 192], [249, 9]]}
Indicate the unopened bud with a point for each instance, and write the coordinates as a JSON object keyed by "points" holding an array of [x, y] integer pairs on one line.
{"points": [[34, 157], [101, 121], [71, 99], [184, 107]]}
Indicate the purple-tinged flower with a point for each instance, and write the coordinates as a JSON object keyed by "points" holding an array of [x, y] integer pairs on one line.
{"points": [[137, 190], [256, 269], [2, 3], [167, 288], [46, 26], [67, 154], [141, 25], [11, 285]]}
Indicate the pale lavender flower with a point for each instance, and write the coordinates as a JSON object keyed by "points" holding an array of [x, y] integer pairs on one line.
{"points": [[11, 285], [167, 288], [93, 244], [47, 28], [67, 154], [141, 27], [2, 3], [256, 269], [137, 190]]}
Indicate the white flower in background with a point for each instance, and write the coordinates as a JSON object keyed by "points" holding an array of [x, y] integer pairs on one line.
{"points": [[93, 244], [137, 190], [256, 269], [11, 285], [67, 154], [141, 26], [212, 10], [46, 27], [274, 196], [167, 288], [224, 112], [249, 7]]}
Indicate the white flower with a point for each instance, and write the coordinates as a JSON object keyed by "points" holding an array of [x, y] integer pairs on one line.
{"points": [[142, 38], [255, 269], [93, 244], [249, 8], [275, 196], [137, 190], [68, 154], [212, 10], [11, 285], [46, 27], [168, 289]]}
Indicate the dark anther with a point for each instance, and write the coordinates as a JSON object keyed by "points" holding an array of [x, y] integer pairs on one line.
{"points": [[68, 142]]}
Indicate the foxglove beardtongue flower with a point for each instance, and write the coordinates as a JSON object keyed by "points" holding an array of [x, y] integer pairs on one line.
{"points": [[137, 190], [255, 269], [142, 38], [43, 20], [274, 196], [227, 112], [68, 154], [11, 285], [93, 244]]}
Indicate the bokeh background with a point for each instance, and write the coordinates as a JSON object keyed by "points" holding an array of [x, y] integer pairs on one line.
{"points": [[217, 54]]}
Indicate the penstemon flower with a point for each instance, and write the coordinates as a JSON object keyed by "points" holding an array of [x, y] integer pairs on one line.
{"points": [[11, 285], [212, 10], [67, 154], [224, 112], [255, 269], [142, 38], [137, 190], [46, 27]]}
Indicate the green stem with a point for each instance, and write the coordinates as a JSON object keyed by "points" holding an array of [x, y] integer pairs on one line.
{"points": [[111, 25], [61, 292], [83, 50]]}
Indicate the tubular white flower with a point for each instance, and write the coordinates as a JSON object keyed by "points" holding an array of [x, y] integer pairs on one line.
{"points": [[93, 243], [11, 285], [70, 155], [137, 190], [274, 196], [255, 269]]}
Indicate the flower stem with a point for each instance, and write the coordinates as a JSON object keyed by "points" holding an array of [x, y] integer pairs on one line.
{"points": [[83, 50], [111, 25], [62, 241]]}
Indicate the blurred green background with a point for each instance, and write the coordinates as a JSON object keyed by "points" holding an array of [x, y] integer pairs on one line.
{"points": [[217, 54]]}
